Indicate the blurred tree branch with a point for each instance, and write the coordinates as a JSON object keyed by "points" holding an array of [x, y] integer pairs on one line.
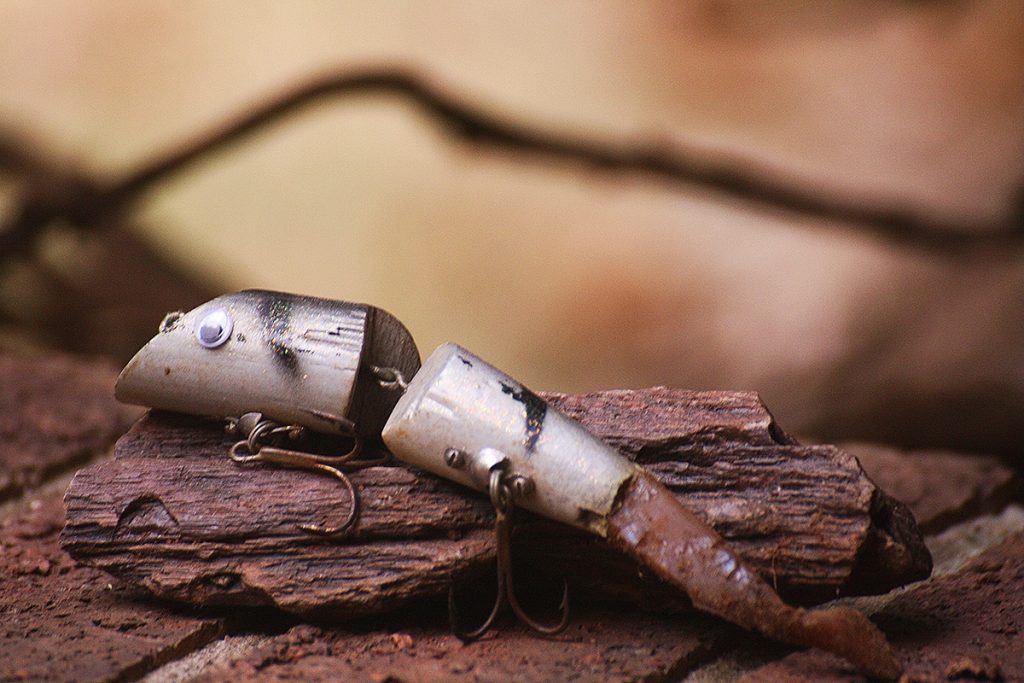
{"points": [[85, 202]]}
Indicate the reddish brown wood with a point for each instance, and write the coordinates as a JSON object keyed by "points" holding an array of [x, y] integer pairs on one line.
{"points": [[598, 646], [969, 626], [940, 488], [805, 517], [172, 513], [175, 515], [59, 621], [55, 412], [660, 423], [650, 524], [62, 622]]}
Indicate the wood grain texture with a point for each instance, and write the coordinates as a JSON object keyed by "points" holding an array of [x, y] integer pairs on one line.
{"points": [[173, 514]]}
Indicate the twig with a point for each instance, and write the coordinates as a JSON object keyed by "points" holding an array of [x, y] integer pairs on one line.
{"points": [[477, 126]]}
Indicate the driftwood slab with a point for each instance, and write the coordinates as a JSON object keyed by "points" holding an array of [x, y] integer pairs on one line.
{"points": [[170, 512]]}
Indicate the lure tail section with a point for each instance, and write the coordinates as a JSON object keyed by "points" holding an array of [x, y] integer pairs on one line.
{"points": [[465, 420], [651, 525]]}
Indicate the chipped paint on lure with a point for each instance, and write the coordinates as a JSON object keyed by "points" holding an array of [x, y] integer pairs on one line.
{"points": [[464, 420], [295, 359], [458, 401]]}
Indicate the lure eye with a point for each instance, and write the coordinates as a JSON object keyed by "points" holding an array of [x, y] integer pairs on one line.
{"points": [[214, 328]]}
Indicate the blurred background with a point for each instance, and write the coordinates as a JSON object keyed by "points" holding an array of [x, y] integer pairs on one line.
{"points": [[896, 317]]}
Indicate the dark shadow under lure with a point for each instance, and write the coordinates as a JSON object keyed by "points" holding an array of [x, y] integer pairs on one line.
{"points": [[347, 372]]}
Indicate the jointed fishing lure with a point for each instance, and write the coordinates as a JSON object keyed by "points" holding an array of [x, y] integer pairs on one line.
{"points": [[276, 364]]}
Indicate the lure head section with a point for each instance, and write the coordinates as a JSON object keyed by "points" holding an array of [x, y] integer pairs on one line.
{"points": [[460, 418], [296, 359]]}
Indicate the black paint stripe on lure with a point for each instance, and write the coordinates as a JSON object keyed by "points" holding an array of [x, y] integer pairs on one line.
{"points": [[535, 408], [275, 312]]}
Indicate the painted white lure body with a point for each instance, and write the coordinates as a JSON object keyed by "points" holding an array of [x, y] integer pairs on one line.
{"points": [[460, 418], [298, 360]]}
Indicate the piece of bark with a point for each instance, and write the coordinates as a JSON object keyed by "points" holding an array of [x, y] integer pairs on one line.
{"points": [[939, 487], [171, 512], [599, 645], [794, 512], [55, 412], [967, 626], [63, 622]]}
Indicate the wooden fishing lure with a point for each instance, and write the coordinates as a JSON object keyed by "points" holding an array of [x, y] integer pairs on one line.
{"points": [[304, 363], [465, 420], [298, 360]]}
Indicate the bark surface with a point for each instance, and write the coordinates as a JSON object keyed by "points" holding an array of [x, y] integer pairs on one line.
{"points": [[172, 513]]}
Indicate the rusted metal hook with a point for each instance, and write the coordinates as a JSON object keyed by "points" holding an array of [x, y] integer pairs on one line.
{"points": [[260, 433], [502, 488]]}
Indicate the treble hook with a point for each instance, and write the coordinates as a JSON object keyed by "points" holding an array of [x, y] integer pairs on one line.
{"points": [[254, 448], [502, 499]]}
